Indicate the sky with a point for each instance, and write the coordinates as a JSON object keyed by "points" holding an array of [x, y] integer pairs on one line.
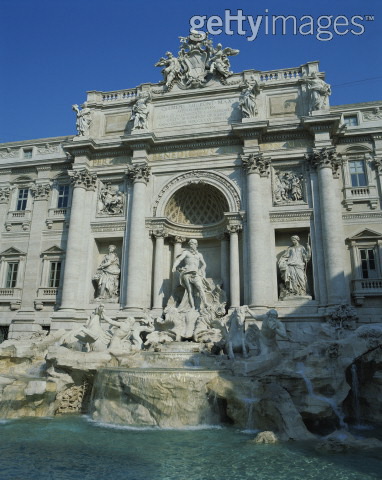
{"points": [[53, 51]]}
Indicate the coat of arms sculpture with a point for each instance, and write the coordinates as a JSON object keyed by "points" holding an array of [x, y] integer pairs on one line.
{"points": [[198, 61]]}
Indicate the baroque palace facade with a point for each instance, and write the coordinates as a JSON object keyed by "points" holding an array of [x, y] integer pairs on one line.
{"points": [[281, 191]]}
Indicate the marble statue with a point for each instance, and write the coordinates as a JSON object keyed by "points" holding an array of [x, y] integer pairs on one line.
{"points": [[197, 62], [90, 337], [288, 187], [219, 62], [292, 265], [247, 100], [83, 120], [271, 327], [110, 200], [127, 333], [107, 276], [319, 92], [172, 69], [140, 111], [235, 333], [192, 274]]}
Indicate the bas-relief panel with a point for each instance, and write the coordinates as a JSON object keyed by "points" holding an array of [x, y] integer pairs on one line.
{"points": [[283, 105], [108, 162], [294, 143], [116, 123], [197, 113]]}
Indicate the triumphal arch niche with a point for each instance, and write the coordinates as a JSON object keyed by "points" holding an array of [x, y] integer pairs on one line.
{"points": [[206, 206], [279, 190]]}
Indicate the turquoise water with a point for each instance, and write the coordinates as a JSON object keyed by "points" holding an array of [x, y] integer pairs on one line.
{"points": [[76, 448]]}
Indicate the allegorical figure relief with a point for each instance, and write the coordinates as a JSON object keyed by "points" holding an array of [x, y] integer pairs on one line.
{"points": [[110, 200], [319, 92], [288, 187], [192, 274], [107, 276], [247, 100], [292, 265], [83, 120], [140, 111]]}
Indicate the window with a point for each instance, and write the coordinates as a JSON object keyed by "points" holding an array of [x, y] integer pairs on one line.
{"points": [[11, 278], [368, 266], [22, 199], [357, 173], [351, 120], [54, 274], [63, 196], [28, 152]]}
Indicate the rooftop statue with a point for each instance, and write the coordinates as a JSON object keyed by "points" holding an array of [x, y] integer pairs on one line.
{"points": [[319, 92], [83, 120], [198, 61]]}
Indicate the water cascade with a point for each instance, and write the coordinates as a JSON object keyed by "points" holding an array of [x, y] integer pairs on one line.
{"points": [[336, 409], [163, 397]]}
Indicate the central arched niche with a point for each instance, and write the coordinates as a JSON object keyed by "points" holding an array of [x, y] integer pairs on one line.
{"points": [[196, 204]]}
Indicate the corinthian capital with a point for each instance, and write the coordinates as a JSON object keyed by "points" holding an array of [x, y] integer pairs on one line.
{"points": [[83, 179], [41, 191], [325, 158], [256, 163], [139, 172]]}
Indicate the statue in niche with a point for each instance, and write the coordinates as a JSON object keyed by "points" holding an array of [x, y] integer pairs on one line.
{"points": [[292, 265], [107, 276], [287, 187], [83, 120], [172, 69], [247, 100], [192, 276], [140, 111], [110, 200], [319, 92]]}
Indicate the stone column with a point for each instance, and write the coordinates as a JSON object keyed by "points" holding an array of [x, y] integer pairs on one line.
{"points": [[234, 264], [77, 247], [157, 301], [328, 165], [136, 255], [40, 193], [224, 263], [257, 168], [177, 251]]}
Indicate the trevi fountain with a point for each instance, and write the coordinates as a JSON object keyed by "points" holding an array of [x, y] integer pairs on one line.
{"points": [[208, 306]]}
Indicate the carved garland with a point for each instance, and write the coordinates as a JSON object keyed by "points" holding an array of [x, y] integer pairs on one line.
{"points": [[197, 176]]}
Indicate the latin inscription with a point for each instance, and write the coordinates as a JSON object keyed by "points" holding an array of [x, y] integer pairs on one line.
{"points": [[198, 152], [196, 113]]}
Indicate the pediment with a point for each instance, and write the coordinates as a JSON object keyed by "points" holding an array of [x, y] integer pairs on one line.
{"points": [[366, 234], [55, 250], [12, 251]]}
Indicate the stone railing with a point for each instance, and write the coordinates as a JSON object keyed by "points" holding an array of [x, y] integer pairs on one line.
{"points": [[119, 95], [47, 292], [19, 216], [358, 194], [281, 75], [10, 293], [369, 286]]}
